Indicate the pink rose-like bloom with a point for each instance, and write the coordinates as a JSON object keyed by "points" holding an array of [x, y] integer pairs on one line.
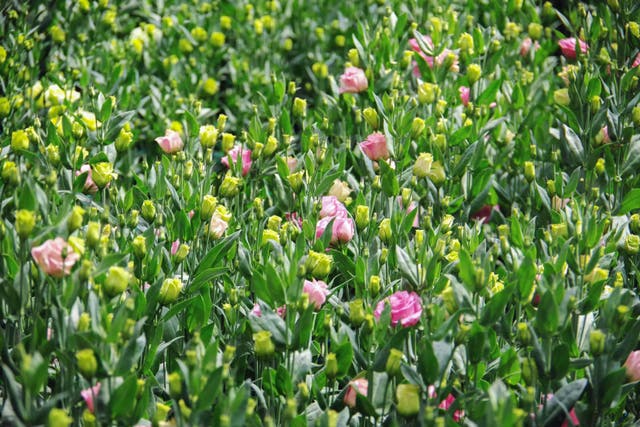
{"points": [[171, 142], [636, 62], [217, 226], [375, 147], [446, 403], [353, 81], [465, 92], [331, 206], [342, 230], [632, 366], [89, 394], [355, 387], [406, 308], [245, 154], [568, 47], [174, 247], [89, 186], [317, 291], [49, 257]]}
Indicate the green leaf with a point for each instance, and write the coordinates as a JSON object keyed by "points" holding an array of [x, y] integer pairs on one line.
{"points": [[573, 142], [428, 363], [122, 400], [389, 178], [547, 317], [558, 407], [407, 267], [283, 381], [344, 357], [489, 94], [216, 253], [211, 390], [28, 197], [130, 355], [509, 367], [494, 309], [631, 202], [560, 361], [467, 270]]}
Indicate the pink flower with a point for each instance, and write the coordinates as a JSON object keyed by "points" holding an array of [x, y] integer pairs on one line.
{"points": [[317, 291], [89, 394], [446, 403], [281, 311], [526, 46], [89, 186], [342, 230], [191, 213], [568, 47], [292, 163], [406, 308], [331, 206], [632, 365], [439, 60], [353, 81], [416, 47], [484, 213], [217, 226], [375, 146], [636, 62], [294, 218], [55, 257], [355, 387], [174, 247], [171, 142], [256, 310], [245, 154], [411, 208], [572, 415], [464, 95]]}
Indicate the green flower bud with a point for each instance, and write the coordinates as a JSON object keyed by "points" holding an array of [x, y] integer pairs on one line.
{"points": [[384, 254], [93, 234], [374, 285], [331, 366], [269, 235], [148, 211], [529, 371], [634, 223], [87, 362], [559, 230], [175, 384], [384, 230], [208, 207], [123, 140], [19, 140], [84, 321], [263, 345], [371, 117], [437, 174], [597, 341], [58, 418], [161, 413], [182, 252], [75, 219], [529, 171], [362, 217], [408, 399], [561, 97], [102, 174], [356, 312], [271, 145], [10, 173], [88, 419], [635, 114], [417, 127], [465, 43], [427, 93], [318, 264], [139, 247], [230, 186], [296, 180], [632, 244], [208, 136], [274, 222], [535, 30], [170, 291], [473, 73], [524, 335], [117, 281], [394, 361], [300, 107], [228, 141], [25, 222], [422, 166]]}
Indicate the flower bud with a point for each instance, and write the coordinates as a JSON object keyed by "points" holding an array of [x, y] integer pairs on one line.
{"points": [[161, 413], [374, 285], [362, 216], [300, 107], [58, 418], [10, 173], [139, 247], [465, 43], [271, 146], [428, 92], [437, 174], [102, 174], [408, 399], [25, 222], [559, 230], [331, 366], [19, 140], [529, 371], [394, 360], [632, 244], [384, 230], [228, 141], [263, 345], [318, 264], [117, 281], [296, 180], [524, 335], [87, 363], [561, 97], [75, 218], [384, 254], [473, 73], [635, 114], [356, 312], [422, 166], [371, 117], [88, 419], [634, 223], [175, 384], [182, 252], [597, 341], [230, 186], [529, 171], [417, 127], [535, 30], [208, 206], [170, 291], [148, 211]]}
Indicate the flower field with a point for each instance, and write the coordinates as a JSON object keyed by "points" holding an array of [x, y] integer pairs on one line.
{"points": [[320, 213]]}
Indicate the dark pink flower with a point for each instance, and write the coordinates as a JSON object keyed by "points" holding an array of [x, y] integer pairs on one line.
{"points": [[465, 92], [636, 62], [317, 291], [55, 257], [353, 81], [406, 308], [568, 47], [89, 394], [375, 147], [355, 387], [446, 403], [484, 213], [245, 155], [171, 142]]}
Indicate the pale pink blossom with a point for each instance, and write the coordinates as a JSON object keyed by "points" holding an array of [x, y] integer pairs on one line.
{"points": [[245, 155], [439, 60], [174, 247], [171, 142], [89, 395], [342, 230], [375, 147], [331, 206], [465, 92], [89, 186], [568, 47], [355, 387], [55, 257], [632, 366], [353, 81], [217, 226], [636, 61], [256, 310], [317, 291]]}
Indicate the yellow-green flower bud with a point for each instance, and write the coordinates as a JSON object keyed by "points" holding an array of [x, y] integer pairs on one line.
{"points": [[117, 281], [84, 321], [300, 107], [524, 335], [529, 371], [600, 166], [561, 97], [102, 174], [417, 127], [25, 222], [422, 166], [371, 117], [634, 223], [331, 366], [217, 39], [353, 56], [58, 418], [473, 73], [296, 180], [175, 384], [182, 252], [161, 413], [384, 254], [427, 93], [19, 140], [53, 154], [318, 264], [408, 399], [263, 344], [75, 218], [635, 114], [87, 362], [123, 140], [535, 30], [139, 247], [148, 211], [529, 171], [437, 174], [271, 146], [268, 235], [208, 207], [228, 141], [384, 230], [597, 341], [274, 222], [5, 106], [356, 312], [88, 419], [230, 186], [632, 244], [362, 217], [465, 43], [374, 285], [559, 230], [394, 360], [208, 136], [170, 291], [10, 173]]}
